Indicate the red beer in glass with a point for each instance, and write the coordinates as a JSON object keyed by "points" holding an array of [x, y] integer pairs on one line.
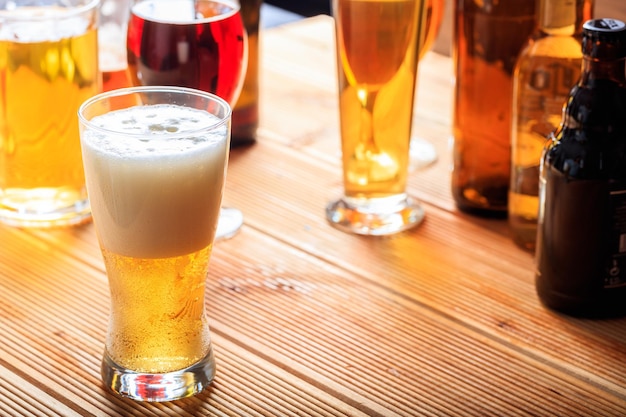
{"points": [[198, 44]]}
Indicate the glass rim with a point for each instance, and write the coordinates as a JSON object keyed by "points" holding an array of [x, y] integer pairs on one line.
{"points": [[64, 12], [230, 3], [223, 120]]}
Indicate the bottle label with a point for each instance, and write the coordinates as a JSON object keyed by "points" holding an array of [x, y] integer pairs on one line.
{"points": [[546, 88], [615, 270], [559, 13], [544, 84]]}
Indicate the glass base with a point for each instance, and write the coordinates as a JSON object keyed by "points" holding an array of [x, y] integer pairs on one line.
{"points": [[375, 216], [422, 153], [229, 223], [168, 386], [43, 207]]}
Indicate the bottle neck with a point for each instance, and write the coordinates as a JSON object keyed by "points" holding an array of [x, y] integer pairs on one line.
{"points": [[564, 17], [593, 69]]}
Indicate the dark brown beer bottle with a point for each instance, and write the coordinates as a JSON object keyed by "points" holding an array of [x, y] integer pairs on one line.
{"points": [[488, 37], [546, 71], [581, 237], [246, 110]]}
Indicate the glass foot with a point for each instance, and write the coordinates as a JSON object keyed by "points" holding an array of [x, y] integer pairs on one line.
{"points": [[159, 387], [43, 208], [422, 153], [230, 221], [375, 216]]}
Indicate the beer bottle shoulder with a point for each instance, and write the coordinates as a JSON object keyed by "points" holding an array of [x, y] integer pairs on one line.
{"points": [[597, 106], [591, 141]]}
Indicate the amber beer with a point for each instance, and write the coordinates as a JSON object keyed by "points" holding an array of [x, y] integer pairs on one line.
{"points": [[49, 66], [377, 82], [155, 176], [377, 55], [178, 335]]}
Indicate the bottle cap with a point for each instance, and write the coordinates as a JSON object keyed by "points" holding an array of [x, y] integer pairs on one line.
{"points": [[604, 39]]}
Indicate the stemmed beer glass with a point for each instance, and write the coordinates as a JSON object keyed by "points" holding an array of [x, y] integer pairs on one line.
{"points": [[199, 44], [377, 45]]}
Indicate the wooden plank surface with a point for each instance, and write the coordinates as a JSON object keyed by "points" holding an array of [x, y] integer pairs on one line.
{"points": [[306, 320]]}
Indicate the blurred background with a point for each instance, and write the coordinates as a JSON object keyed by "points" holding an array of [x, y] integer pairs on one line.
{"points": [[277, 12]]}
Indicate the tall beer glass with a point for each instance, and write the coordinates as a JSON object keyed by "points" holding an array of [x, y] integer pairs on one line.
{"points": [[48, 67], [155, 161], [377, 56]]}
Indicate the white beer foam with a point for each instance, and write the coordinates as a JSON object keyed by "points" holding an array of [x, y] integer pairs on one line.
{"points": [[156, 130], [45, 24], [154, 194], [180, 11], [173, 11]]}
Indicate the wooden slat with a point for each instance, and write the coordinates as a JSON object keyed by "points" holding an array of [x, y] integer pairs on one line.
{"points": [[284, 177], [405, 338]]}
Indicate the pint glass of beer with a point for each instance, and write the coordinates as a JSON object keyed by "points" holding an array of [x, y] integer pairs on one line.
{"points": [[377, 54], [48, 67], [155, 161]]}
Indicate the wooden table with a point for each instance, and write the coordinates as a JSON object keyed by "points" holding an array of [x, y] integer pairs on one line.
{"points": [[310, 321]]}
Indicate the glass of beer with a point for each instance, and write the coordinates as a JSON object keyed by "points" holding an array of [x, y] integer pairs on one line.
{"points": [[48, 67], [112, 43], [377, 54], [198, 44], [155, 161]]}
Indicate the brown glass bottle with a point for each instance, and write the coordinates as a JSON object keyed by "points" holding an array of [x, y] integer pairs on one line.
{"points": [[546, 70], [581, 236], [488, 37], [246, 111]]}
